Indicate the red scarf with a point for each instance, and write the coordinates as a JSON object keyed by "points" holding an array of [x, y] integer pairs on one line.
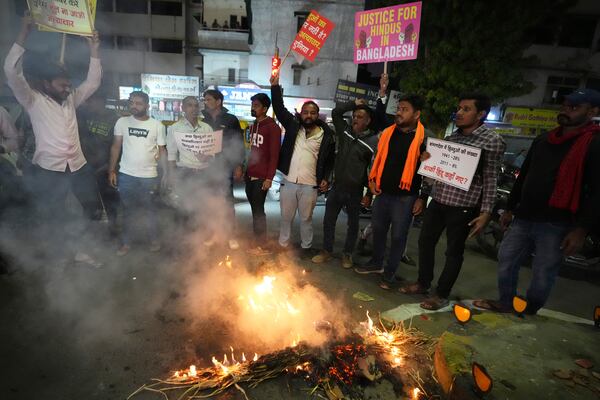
{"points": [[567, 188]]}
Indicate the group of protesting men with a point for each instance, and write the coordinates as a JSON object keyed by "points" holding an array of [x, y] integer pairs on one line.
{"points": [[551, 207]]}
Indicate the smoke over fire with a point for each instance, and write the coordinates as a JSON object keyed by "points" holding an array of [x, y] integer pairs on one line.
{"points": [[265, 308]]}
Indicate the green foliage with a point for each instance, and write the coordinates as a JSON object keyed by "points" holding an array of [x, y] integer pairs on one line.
{"points": [[471, 45]]}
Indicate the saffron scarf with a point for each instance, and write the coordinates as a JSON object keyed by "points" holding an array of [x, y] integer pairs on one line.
{"points": [[412, 157], [569, 180]]}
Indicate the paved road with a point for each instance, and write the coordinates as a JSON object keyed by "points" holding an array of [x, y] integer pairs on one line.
{"points": [[80, 332]]}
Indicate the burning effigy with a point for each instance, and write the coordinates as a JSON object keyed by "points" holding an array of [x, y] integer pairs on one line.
{"points": [[291, 319]]}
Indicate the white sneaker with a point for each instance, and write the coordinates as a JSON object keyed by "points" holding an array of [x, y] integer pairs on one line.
{"points": [[209, 242], [233, 244]]}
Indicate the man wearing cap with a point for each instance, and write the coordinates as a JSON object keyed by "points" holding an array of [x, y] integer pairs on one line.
{"points": [[265, 141], [356, 147], [553, 204]]}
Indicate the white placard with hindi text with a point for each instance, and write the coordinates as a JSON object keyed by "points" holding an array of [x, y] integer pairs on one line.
{"points": [[451, 163], [208, 143]]}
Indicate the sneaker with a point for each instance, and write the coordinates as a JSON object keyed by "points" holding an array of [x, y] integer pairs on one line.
{"points": [[347, 261], [154, 247], [322, 257], [369, 268], [210, 242], [233, 244], [123, 250]]}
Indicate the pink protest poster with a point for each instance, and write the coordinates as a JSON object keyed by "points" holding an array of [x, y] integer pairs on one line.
{"points": [[387, 34]]}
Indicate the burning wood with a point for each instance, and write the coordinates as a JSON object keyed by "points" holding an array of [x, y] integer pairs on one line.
{"points": [[277, 302], [381, 353]]}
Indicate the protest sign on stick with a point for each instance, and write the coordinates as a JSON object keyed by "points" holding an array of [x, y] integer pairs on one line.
{"points": [[312, 36], [67, 16], [209, 143], [451, 163], [387, 34]]}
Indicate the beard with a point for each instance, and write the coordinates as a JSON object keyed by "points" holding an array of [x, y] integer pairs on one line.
{"points": [[308, 123], [565, 120], [253, 113]]}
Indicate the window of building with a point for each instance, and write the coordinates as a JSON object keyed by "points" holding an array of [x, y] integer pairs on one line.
{"points": [[559, 86], [167, 46], [243, 75], [104, 5], [132, 43], [166, 8], [300, 18], [297, 76], [231, 75], [132, 6], [577, 32]]}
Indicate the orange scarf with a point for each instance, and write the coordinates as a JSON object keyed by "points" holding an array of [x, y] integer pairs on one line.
{"points": [[414, 152]]}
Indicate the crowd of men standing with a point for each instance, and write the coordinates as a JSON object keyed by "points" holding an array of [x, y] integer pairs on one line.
{"points": [[113, 164]]}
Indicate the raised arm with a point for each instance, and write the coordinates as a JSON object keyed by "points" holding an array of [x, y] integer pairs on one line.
{"points": [[13, 66], [282, 114], [337, 115], [94, 75]]}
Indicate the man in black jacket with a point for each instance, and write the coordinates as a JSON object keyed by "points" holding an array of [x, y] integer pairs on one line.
{"points": [[230, 160], [356, 147], [555, 203], [306, 160]]}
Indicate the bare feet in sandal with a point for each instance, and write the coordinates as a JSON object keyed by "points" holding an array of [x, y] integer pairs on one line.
{"points": [[434, 303], [491, 305], [413, 288]]}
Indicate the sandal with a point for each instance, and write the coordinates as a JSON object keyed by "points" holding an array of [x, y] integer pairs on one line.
{"points": [[491, 305], [434, 303], [413, 288]]}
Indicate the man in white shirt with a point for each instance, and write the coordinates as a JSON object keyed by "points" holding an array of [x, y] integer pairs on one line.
{"points": [[188, 169], [59, 163], [143, 143]]}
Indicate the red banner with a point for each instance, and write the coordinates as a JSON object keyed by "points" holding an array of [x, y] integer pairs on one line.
{"points": [[315, 30]]}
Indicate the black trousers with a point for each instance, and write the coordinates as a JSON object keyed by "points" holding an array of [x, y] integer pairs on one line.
{"points": [[256, 197], [455, 220], [336, 200]]}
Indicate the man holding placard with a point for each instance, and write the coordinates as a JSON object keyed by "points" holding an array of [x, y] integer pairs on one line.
{"points": [[462, 213], [187, 163], [142, 141], [59, 163]]}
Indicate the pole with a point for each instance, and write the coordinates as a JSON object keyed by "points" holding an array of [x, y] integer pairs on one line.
{"points": [[61, 60], [284, 57], [385, 67]]}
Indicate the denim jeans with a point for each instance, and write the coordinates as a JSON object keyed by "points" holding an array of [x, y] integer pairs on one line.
{"points": [[394, 210], [521, 239], [256, 197], [297, 197], [138, 205], [336, 200], [455, 220]]}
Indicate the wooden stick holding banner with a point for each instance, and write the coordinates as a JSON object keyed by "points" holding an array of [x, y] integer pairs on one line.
{"points": [[63, 45], [385, 67], [284, 57]]}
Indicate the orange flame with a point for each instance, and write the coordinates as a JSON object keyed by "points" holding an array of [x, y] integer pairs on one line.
{"points": [[416, 393]]}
